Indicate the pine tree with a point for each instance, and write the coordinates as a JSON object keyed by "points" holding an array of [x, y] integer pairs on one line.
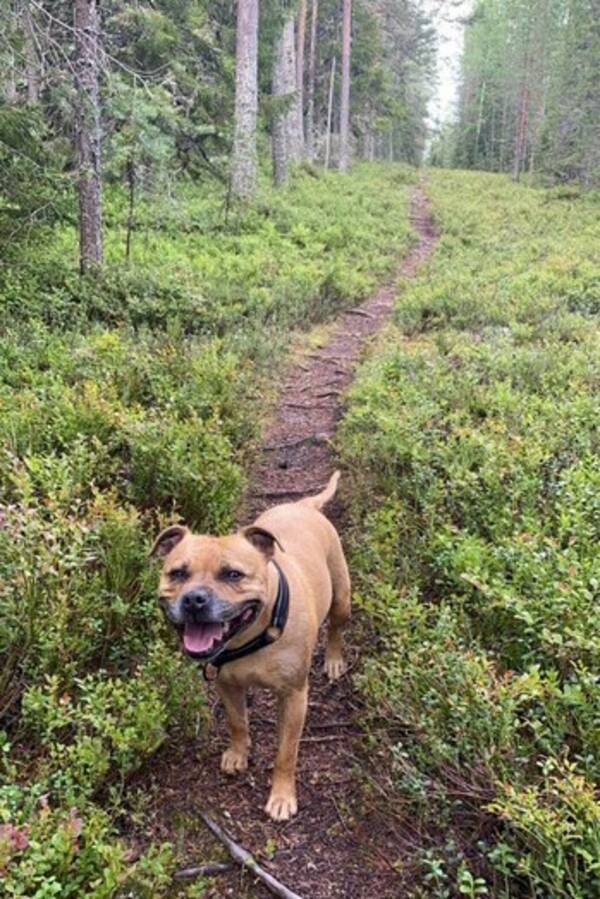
{"points": [[243, 162], [87, 62], [344, 153], [286, 132]]}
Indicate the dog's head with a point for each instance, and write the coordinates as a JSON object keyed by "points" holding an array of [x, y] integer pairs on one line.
{"points": [[212, 588]]}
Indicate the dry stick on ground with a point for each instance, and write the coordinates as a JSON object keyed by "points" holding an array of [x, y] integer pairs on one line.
{"points": [[312, 438], [211, 869], [247, 860], [315, 725], [360, 312]]}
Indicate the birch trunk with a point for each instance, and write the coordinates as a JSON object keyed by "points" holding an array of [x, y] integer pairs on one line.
{"points": [[243, 163], [344, 155], [88, 134]]}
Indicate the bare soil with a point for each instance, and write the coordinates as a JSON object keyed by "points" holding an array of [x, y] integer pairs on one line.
{"points": [[346, 842]]}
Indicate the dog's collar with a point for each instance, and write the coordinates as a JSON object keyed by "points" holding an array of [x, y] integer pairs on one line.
{"points": [[270, 634]]}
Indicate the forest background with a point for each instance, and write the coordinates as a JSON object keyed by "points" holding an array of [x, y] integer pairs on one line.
{"points": [[183, 186]]}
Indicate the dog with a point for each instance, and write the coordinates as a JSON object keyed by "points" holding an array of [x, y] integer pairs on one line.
{"points": [[248, 606]]}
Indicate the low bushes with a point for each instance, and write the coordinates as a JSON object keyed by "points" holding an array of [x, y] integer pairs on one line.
{"points": [[128, 401], [472, 443]]}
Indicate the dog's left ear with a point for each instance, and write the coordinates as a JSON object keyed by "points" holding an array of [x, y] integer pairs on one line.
{"points": [[264, 541], [168, 540]]}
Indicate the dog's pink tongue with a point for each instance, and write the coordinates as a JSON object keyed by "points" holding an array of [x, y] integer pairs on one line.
{"points": [[200, 637]]}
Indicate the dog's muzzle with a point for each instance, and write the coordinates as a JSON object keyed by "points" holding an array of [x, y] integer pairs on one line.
{"points": [[206, 622]]}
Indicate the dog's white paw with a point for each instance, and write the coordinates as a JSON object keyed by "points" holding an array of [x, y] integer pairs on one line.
{"points": [[233, 761], [281, 808], [334, 667]]}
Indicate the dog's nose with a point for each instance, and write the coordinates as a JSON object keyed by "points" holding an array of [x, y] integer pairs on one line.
{"points": [[195, 600]]}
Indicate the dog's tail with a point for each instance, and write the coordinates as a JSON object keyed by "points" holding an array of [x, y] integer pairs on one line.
{"points": [[322, 498]]}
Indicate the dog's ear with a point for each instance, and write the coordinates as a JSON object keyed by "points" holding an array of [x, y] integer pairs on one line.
{"points": [[168, 540], [264, 541]]}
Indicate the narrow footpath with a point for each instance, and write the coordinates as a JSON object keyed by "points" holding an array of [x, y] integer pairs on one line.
{"points": [[343, 844]]}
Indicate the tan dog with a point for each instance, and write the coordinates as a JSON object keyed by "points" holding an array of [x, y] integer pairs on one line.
{"points": [[223, 593]]}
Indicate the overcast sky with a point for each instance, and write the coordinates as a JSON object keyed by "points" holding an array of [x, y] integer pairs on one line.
{"points": [[447, 17]]}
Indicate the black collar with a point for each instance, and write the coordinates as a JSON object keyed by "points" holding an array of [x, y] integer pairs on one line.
{"points": [[271, 633]]}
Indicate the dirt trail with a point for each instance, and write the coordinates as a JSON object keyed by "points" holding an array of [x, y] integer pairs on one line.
{"points": [[340, 845], [296, 454]]}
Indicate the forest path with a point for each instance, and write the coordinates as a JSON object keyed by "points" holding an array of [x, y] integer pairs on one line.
{"points": [[340, 845], [296, 458]]}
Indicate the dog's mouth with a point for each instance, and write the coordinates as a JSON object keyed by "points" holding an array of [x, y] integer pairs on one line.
{"points": [[205, 639]]}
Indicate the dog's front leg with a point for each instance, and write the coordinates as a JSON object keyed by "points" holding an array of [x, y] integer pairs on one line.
{"points": [[235, 757], [291, 712]]}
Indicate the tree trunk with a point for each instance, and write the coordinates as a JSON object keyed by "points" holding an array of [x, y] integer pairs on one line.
{"points": [[329, 114], [32, 62], [301, 39], [344, 153], [130, 173], [285, 143], [243, 163], [88, 134], [310, 108], [11, 94], [520, 133], [503, 134], [479, 122]]}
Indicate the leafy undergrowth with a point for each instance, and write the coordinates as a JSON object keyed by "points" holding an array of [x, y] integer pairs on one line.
{"points": [[471, 441], [128, 401]]}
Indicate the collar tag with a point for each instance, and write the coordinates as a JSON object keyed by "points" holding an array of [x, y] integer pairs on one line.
{"points": [[210, 672]]}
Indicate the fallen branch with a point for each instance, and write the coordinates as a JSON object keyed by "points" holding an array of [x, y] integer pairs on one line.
{"points": [[322, 358], [359, 312], [304, 406], [208, 870], [314, 725], [311, 439], [247, 860]]}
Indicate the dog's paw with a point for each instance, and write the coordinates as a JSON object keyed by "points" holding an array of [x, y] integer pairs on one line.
{"points": [[335, 666], [233, 761], [281, 808]]}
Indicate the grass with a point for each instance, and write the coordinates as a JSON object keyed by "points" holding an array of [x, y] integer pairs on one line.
{"points": [[471, 441], [127, 401]]}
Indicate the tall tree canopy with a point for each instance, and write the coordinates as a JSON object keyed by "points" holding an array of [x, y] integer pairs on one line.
{"points": [[529, 98], [174, 103]]}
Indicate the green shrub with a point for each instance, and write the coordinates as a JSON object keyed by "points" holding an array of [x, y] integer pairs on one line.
{"points": [[472, 440], [128, 401]]}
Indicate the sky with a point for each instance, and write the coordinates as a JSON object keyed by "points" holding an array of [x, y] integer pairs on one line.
{"points": [[447, 16]]}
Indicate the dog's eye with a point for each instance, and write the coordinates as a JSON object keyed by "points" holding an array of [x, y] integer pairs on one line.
{"points": [[232, 574], [178, 574]]}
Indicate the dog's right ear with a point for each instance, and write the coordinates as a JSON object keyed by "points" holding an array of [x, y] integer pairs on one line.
{"points": [[168, 540]]}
